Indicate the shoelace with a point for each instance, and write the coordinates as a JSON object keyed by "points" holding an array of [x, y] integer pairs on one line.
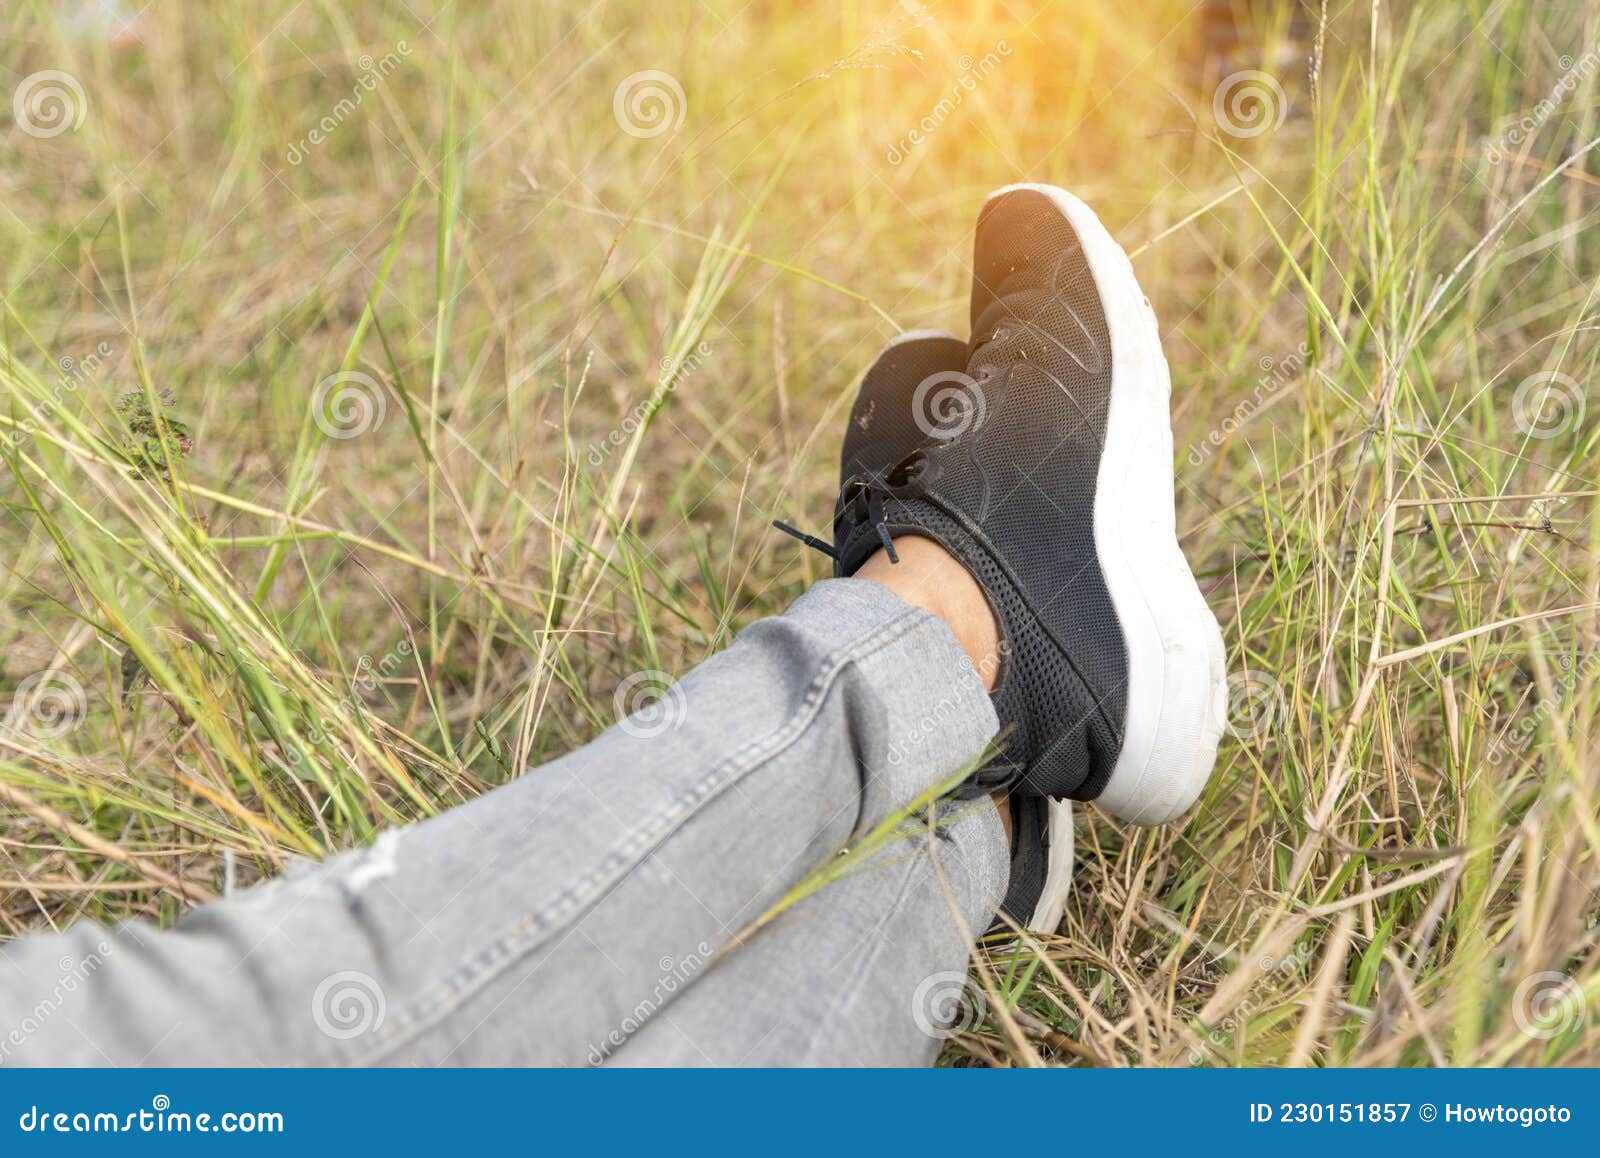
{"points": [[863, 496]]}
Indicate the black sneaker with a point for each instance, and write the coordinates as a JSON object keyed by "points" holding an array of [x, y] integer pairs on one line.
{"points": [[1046, 468], [883, 430]]}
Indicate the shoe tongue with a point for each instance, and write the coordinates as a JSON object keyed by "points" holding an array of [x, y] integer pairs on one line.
{"points": [[883, 425]]}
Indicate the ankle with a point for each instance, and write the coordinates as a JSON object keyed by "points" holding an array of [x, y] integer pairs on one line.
{"points": [[929, 577]]}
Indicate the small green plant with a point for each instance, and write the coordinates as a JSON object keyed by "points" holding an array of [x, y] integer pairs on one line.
{"points": [[153, 437]]}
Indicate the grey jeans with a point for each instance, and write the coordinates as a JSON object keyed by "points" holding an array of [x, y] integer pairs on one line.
{"points": [[653, 898]]}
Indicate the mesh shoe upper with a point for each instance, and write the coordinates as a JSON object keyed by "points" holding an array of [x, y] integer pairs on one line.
{"points": [[1005, 479], [883, 429]]}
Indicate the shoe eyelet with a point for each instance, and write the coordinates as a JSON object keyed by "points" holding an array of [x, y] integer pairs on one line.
{"points": [[908, 470]]}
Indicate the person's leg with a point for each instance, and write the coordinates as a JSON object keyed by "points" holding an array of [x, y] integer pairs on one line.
{"points": [[535, 924], [865, 969], [869, 970]]}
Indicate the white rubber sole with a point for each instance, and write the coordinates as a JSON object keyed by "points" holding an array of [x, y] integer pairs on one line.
{"points": [[905, 336], [1177, 666]]}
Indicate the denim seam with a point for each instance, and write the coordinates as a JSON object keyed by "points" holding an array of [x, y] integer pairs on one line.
{"points": [[535, 928]]}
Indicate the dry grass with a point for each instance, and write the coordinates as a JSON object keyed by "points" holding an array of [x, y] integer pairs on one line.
{"points": [[240, 639]]}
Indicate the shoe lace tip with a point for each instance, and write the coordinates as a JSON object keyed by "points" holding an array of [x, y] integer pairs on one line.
{"points": [[811, 541], [888, 543]]}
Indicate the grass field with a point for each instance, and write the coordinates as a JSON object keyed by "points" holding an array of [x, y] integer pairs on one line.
{"points": [[379, 393]]}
